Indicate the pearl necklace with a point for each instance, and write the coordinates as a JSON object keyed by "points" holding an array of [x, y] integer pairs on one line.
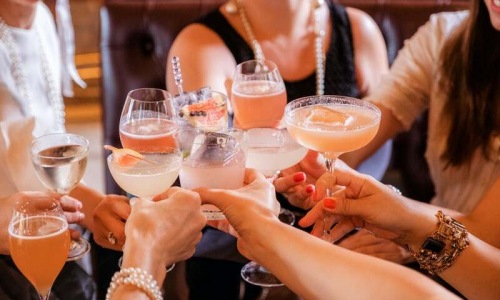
{"points": [[318, 40], [55, 97]]}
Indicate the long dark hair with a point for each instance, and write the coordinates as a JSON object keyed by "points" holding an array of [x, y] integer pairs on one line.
{"points": [[471, 77]]}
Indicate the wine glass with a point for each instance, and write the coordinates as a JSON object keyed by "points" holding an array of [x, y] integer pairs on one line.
{"points": [[147, 120], [60, 160], [39, 241], [332, 125], [258, 95]]}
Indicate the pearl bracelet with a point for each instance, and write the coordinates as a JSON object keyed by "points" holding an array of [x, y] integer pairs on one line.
{"points": [[138, 278]]}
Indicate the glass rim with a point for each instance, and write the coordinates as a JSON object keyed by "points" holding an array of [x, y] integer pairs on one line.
{"points": [[85, 144], [163, 91], [343, 100], [174, 150]]}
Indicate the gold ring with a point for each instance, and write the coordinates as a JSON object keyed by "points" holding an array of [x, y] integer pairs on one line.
{"points": [[111, 238]]}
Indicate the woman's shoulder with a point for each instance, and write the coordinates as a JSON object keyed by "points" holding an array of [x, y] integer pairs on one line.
{"points": [[444, 22]]}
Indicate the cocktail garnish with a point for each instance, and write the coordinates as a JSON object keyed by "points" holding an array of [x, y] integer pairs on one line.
{"points": [[127, 157], [204, 113], [326, 116]]}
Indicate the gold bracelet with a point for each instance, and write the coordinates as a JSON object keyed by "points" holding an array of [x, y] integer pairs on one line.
{"points": [[138, 278], [440, 250]]}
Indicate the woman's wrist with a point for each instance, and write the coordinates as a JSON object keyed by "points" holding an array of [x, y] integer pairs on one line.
{"points": [[140, 253]]}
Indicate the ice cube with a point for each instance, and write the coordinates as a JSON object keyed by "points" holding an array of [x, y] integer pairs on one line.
{"points": [[265, 138], [214, 149], [326, 116]]}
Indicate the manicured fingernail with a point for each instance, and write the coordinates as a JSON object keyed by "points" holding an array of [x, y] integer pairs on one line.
{"points": [[299, 177], [81, 216], [329, 203], [309, 189]]}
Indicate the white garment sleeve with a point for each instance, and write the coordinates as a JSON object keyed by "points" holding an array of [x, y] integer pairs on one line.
{"points": [[405, 90]]}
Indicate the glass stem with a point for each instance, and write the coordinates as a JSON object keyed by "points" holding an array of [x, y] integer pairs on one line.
{"points": [[44, 297], [330, 185]]}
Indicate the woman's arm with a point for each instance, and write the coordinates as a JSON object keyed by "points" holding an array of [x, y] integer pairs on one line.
{"points": [[370, 204], [311, 267], [160, 234]]}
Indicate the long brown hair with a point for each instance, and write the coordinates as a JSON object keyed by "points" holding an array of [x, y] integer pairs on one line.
{"points": [[471, 68]]}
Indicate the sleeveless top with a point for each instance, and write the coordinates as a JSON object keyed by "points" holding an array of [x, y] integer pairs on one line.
{"points": [[340, 78]]}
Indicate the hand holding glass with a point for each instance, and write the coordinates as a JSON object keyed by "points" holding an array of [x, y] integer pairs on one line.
{"points": [[60, 160], [39, 241], [332, 125]]}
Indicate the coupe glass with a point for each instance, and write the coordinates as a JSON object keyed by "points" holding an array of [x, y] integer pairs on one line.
{"points": [[332, 125], [149, 176], [147, 120], [60, 160], [39, 241]]}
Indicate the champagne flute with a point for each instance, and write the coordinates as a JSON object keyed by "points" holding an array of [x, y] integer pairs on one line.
{"points": [[39, 241], [60, 160], [147, 120], [332, 125]]}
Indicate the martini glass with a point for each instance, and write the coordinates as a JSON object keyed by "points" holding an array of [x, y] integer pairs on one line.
{"points": [[39, 241], [60, 160], [332, 125]]}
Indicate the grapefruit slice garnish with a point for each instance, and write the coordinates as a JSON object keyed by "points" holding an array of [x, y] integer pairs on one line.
{"points": [[205, 113], [126, 157]]}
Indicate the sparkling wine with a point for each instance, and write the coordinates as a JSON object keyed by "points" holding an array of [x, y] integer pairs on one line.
{"points": [[61, 168], [39, 247]]}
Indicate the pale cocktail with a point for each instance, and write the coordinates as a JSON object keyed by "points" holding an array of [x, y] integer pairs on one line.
{"points": [[332, 125]]}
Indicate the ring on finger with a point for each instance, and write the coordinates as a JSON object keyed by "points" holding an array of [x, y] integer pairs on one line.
{"points": [[111, 238]]}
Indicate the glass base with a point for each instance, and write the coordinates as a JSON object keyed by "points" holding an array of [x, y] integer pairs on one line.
{"points": [[256, 274], [286, 216], [78, 249]]}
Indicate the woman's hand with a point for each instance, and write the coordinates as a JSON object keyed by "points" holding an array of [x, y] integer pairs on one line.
{"points": [[168, 229], [372, 205], [109, 221], [243, 207], [297, 182]]}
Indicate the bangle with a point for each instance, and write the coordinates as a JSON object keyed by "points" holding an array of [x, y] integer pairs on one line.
{"points": [[440, 250], [138, 278]]}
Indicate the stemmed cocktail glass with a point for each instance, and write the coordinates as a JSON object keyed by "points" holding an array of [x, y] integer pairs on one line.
{"points": [[146, 175], [259, 97], [332, 125], [39, 241], [60, 160], [147, 120]]}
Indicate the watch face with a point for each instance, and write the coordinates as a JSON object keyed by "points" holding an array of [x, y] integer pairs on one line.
{"points": [[433, 245]]}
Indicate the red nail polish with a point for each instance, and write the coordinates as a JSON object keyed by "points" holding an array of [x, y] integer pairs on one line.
{"points": [[309, 189], [299, 177], [329, 203]]}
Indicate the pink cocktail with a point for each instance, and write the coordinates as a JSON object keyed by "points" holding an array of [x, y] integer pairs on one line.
{"points": [[258, 95], [332, 125], [143, 134]]}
